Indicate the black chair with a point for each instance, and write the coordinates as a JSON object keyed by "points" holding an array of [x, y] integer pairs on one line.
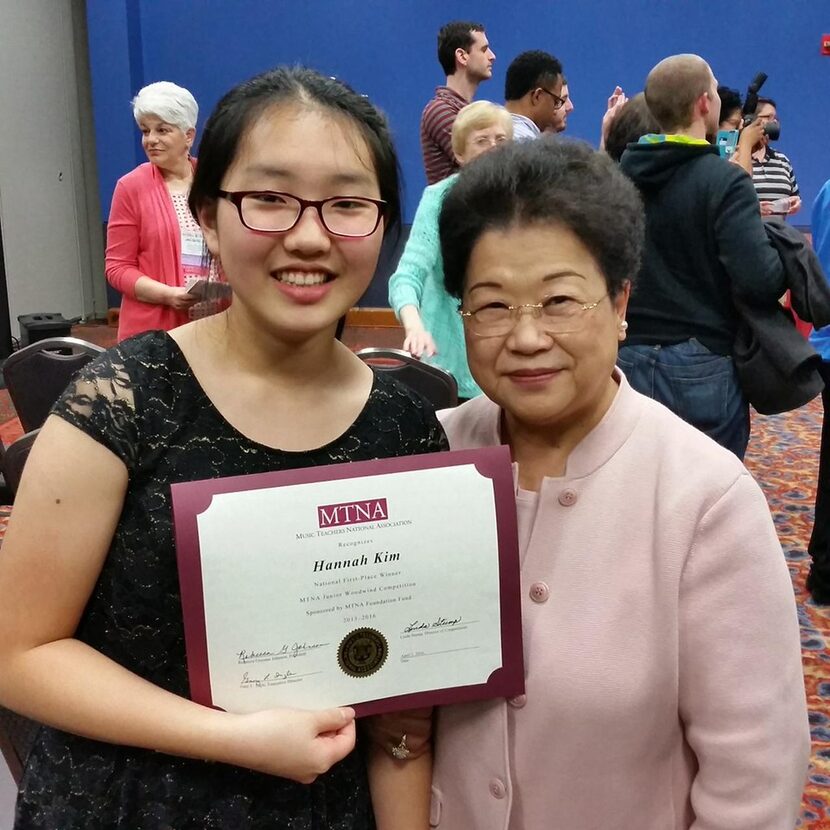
{"points": [[14, 459], [37, 374], [6, 492], [17, 736], [436, 385]]}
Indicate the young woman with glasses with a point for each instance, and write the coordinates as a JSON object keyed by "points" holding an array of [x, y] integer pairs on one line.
{"points": [[296, 185]]}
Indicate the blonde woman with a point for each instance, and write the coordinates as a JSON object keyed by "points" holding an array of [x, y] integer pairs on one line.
{"points": [[416, 289]]}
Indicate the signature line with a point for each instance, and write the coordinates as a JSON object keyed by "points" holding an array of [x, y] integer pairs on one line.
{"points": [[448, 651]]}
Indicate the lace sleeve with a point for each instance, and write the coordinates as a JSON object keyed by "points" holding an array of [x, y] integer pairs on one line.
{"points": [[414, 418], [101, 402]]}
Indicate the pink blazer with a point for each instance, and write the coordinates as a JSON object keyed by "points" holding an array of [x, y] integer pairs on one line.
{"points": [[662, 652], [143, 239]]}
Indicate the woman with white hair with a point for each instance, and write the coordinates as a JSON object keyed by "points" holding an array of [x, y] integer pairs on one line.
{"points": [[155, 248], [416, 289]]}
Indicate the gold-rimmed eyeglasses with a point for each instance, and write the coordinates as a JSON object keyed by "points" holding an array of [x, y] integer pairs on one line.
{"points": [[557, 314]]}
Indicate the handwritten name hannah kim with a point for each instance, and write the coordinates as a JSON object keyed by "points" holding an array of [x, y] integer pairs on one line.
{"points": [[379, 558]]}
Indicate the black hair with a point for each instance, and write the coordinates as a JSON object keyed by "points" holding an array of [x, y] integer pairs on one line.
{"points": [[452, 36], [548, 181], [239, 108], [633, 121], [528, 71], [766, 101], [730, 100]]}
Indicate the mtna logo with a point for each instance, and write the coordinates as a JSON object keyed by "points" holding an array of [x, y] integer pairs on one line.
{"points": [[352, 513]]}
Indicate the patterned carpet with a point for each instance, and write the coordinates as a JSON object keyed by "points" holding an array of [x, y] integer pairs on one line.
{"points": [[783, 457]]}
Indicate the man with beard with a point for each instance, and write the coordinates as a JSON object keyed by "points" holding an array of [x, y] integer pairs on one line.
{"points": [[705, 246], [465, 55]]}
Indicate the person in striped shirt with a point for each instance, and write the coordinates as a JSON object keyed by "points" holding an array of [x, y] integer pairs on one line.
{"points": [[772, 172], [465, 55]]}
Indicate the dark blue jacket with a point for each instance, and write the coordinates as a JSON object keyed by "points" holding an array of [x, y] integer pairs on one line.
{"points": [[705, 247]]}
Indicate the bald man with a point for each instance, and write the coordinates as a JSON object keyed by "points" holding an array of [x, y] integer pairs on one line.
{"points": [[705, 243]]}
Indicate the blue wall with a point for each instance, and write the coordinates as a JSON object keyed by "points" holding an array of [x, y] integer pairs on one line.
{"points": [[386, 49]]}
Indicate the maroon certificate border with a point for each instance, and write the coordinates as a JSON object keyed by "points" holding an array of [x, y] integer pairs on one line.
{"points": [[194, 497]]}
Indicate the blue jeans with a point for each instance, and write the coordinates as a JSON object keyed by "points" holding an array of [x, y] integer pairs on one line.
{"points": [[696, 384]]}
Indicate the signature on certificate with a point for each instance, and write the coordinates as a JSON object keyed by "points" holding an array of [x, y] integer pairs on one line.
{"points": [[295, 649], [267, 680], [440, 622]]}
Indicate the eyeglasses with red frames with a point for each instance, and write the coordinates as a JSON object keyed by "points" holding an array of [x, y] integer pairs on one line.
{"points": [[271, 211]]}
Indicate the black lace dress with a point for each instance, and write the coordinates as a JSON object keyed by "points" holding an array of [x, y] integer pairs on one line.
{"points": [[142, 402]]}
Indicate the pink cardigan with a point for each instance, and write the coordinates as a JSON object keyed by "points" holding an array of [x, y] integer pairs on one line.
{"points": [[143, 239], [662, 653]]}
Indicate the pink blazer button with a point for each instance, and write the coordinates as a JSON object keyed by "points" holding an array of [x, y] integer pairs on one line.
{"points": [[497, 788], [568, 497], [517, 702], [539, 592]]}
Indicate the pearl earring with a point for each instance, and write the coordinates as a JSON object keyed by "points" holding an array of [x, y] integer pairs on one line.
{"points": [[623, 327]]}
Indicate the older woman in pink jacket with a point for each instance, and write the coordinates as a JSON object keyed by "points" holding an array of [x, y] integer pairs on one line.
{"points": [[664, 688]]}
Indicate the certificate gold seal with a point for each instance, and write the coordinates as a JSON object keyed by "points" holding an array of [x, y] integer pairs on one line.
{"points": [[362, 652]]}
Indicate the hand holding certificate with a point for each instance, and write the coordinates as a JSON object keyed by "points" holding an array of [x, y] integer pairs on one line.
{"points": [[386, 584]]}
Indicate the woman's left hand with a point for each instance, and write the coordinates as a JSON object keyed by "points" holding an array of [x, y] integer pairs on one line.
{"points": [[387, 731]]}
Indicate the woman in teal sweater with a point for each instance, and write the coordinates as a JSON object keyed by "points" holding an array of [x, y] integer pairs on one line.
{"points": [[416, 289]]}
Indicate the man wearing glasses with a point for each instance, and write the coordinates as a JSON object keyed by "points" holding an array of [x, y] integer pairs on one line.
{"points": [[534, 95], [772, 172]]}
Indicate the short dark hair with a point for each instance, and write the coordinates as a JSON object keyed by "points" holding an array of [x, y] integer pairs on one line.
{"points": [[767, 101], [452, 36], [730, 100], [528, 71], [633, 121], [239, 108], [547, 181]]}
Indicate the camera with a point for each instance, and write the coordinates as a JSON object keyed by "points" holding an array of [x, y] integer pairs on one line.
{"points": [[773, 128], [727, 140]]}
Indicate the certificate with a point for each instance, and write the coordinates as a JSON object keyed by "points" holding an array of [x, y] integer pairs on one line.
{"points": [[384, 585]]}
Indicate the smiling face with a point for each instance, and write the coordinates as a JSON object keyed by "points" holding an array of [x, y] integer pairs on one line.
{"points": [[298, 283], [165, 144], [543, 380]]}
